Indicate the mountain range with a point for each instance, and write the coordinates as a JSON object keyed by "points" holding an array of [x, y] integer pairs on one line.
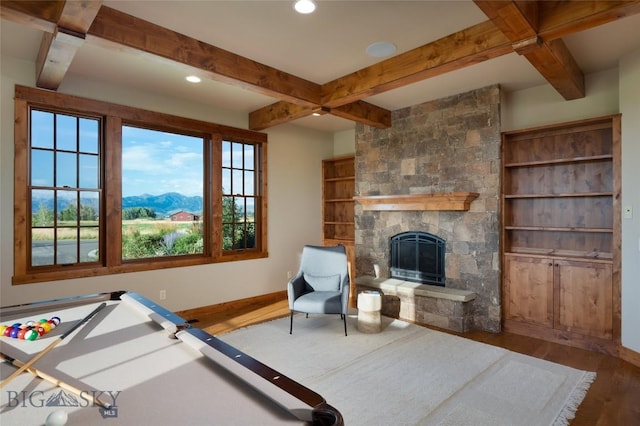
{"points": [[163, 205]]}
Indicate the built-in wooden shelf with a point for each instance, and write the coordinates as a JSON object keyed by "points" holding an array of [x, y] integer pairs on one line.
{"points": [[338, 223], [592, 256], [566, 195], [572, 160], [451, 201], [560, 233], [558, 229]]}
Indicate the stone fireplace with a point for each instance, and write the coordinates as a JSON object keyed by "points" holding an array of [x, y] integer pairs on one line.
{"points": [[448, 149]]}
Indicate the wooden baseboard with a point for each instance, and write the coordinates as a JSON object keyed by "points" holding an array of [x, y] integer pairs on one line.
{"points": [[630, 356], [239, 304]]}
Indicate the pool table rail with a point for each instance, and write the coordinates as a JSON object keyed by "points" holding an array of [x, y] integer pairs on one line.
{"points": [[302, 402]]}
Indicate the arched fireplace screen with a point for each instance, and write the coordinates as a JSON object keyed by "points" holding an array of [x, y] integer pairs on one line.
{"points": [[418, 257]]}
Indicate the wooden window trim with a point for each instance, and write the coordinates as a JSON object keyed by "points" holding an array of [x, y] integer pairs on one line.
{"points": [[114, 116]]}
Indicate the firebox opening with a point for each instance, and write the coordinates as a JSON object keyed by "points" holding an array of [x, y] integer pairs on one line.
{"points": [[418, 257]]}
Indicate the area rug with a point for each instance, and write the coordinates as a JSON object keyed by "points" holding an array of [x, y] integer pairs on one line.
{"points": [[411, 375]]}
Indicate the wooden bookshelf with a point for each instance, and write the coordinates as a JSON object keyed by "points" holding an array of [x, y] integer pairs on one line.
{"points": [[560, 232], [338, 222]]}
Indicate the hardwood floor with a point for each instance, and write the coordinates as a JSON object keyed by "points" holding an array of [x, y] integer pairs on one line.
{"points": [[613, 399]]}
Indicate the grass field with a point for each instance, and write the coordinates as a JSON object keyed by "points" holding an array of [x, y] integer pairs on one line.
{"points": [[89, 232]]}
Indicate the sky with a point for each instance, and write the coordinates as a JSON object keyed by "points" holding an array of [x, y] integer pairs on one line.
{"points": [[153, 162], [158, 162]]}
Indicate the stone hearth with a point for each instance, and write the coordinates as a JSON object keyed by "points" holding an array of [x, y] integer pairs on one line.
{"points": [[422, 303]]}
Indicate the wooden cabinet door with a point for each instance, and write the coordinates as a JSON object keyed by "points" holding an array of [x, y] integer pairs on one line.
{"points": [[584, 300], [529, 290]]}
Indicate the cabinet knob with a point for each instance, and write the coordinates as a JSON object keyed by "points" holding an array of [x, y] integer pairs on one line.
{"points": [[550, 264]]}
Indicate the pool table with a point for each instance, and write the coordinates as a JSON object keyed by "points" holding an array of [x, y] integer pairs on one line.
{"points": [[137, 363]]}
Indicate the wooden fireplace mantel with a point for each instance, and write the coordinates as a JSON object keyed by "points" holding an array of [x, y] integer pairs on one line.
{"points": [[450, 201]]}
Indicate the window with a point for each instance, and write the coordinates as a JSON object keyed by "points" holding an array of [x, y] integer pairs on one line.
{"points": [[65, 188], [239, 172], [102, 188], [162, 193]]}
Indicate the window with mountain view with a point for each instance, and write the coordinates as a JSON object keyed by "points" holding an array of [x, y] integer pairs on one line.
{"points": [[102, 189], [162, 193], [65, 188]]}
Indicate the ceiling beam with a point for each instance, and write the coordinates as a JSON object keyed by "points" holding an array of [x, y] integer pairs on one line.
{"points": [[558, 19], [58, 49], [458, 50], [277, 113], [283, 112], [121, 29], [365, 113], [344, 96], [40, 15], [518, 22]]}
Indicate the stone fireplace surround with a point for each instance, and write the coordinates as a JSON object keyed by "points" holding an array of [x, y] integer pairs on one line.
{"points": [[447, 146], [421, 302]]}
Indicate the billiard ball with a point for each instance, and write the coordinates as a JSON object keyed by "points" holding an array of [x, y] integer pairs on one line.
{"points": [[31, 334], [57, 418]]}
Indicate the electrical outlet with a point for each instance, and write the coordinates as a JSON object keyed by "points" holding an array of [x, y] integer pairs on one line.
{"points": [[289, 275], [163, 294], [628, 212]]}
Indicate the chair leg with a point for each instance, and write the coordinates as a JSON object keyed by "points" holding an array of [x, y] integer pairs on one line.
{"points": [[344, 318], [291, 324]]}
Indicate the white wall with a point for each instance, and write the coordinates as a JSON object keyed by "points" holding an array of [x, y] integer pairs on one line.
{"points": [[344, 142], [294, 200], [543, 105], [608, 92], [630, 108]]}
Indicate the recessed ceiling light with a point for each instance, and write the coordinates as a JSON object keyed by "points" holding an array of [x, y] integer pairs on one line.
{"points": [[381, 49], [193, 79], [304, 6]]}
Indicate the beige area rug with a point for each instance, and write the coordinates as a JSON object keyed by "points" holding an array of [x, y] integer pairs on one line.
{"points": [[410, 375]]}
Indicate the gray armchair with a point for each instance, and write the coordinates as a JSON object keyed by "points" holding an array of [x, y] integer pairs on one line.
{"points": [[321, 285]]}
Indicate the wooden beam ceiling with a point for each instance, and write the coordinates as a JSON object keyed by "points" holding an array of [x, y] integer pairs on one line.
{"points": [[121, 29], [458, 50], [63, 24], [519, 23], [535, 30], [532, 29]]}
